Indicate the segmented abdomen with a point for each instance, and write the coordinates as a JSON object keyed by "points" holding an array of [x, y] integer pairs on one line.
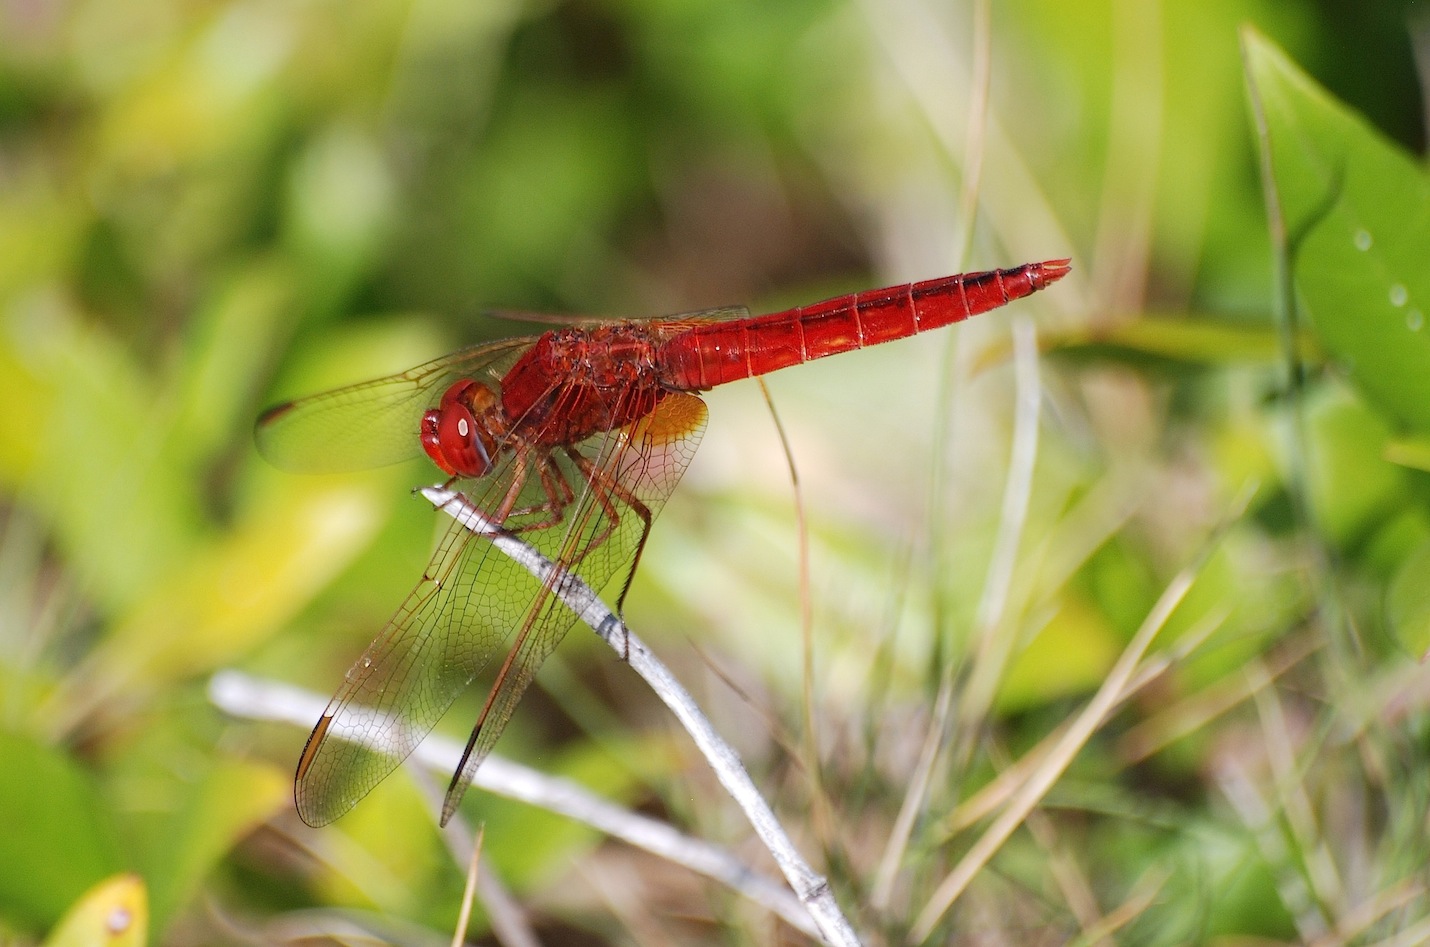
{"points": [[712, 354]]}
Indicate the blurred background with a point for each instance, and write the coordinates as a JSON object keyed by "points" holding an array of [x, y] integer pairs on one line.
{"points": [[209, 206]]}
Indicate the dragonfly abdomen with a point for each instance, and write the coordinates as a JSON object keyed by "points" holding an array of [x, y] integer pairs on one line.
{"points": [[719, 352]]}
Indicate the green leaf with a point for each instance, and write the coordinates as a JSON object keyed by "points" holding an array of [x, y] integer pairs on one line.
{"points": [[1070, 655], [230, 341], [224, 805], [1407, 603], [1412, 452], [239, 592], [57, 843], [1357, 217], [1353, 487], [79, 404]]}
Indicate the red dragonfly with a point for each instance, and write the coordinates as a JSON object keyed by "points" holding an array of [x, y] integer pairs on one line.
{"points": [[570, 440]]}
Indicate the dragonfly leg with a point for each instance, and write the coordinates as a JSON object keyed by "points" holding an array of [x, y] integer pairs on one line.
{"points": [[520, 470], [559, 495], [603, 499], [607, 488]]}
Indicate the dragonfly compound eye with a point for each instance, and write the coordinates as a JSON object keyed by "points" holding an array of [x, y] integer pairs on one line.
{"points": [[453, 436]]}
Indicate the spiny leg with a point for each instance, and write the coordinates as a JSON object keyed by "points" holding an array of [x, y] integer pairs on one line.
{"points": [[555, 486], [605, 488], [602, 495], [559, 495], [519, 473]]}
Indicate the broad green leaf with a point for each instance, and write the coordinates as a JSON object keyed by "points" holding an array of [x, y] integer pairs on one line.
{"points": [[341, 196], [223, 805], [1353, 487], [40, 228], [1071, 655], [236, 594], [57, 842], [229, 598], [230, 341], [114, 913], [1407, 603], [214, 96], [1357, 216], [82, 429], [1413, 452]]}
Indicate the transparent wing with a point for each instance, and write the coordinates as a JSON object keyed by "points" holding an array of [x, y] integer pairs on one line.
{"points": [[683, 320], [718, 314], [400, 687], [373, 423], [635, 467], [473, 599]]}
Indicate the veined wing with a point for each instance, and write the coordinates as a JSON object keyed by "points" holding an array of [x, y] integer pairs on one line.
{"points": [[636, 466], [473, 599], [458, 617], [404, 682], [553, 319], [372, 423]]}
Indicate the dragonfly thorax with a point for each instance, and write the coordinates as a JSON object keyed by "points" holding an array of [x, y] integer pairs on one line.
{"points": [[461, 433]]}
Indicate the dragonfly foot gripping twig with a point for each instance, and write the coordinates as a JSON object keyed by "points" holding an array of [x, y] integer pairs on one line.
{"points": [[811, 888]]}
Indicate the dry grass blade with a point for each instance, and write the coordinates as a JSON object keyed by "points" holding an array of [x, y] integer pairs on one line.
{"points": [[819, 803], [1295, 807], [1128, 911], [1356, 921], [1065, 871], [1002, 786], [991, 608], [1260, 817], [469, 890], [995, 648], [1410, 937], [977, 127], [510, 922], [1196, 711], [1061, 755]]}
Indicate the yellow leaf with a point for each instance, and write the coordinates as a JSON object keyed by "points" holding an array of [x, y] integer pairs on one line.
{"points": [[114, 913]]}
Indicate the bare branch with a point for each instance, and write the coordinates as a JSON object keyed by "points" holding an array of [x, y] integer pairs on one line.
{"points": [[257, 699], [810, 887]]}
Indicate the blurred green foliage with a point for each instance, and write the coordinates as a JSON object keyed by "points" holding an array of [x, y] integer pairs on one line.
{"points": [[208, 206]]}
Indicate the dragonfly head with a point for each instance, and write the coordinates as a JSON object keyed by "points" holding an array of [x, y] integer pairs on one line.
{"points": [[457, 434]]}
